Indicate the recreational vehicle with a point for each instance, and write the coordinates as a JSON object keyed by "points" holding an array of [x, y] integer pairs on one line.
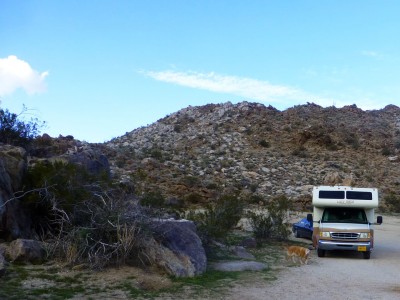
{"points": [[343, 219]]}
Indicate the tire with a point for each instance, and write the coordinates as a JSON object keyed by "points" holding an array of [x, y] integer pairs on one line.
{"points": [[296, 233], [321, 253], [367, 254]]}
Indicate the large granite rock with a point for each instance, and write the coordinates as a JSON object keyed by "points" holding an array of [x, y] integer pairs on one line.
{"points": [[94, 162], [3, 262], [23, 250], [177, 249], [14, 222]]}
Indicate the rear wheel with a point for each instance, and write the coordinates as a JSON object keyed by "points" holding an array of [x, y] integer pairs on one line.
{"points": [[367, 254], [296, 233], [321, 253]]}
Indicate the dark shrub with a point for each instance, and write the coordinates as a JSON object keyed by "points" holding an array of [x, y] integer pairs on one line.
{"points": [[271, 222], [218, 218], [16, 132]]}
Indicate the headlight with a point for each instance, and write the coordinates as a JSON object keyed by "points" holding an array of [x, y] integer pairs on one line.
{"points": [[364, 235], [325, 234]]}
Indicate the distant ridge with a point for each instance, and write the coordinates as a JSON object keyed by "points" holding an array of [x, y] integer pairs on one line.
{"points": [[252, 150]]}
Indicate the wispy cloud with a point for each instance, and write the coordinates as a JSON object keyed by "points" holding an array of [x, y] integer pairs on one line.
{"points": [[239, 86], [372, 54], [16, 73], [262, 91]]}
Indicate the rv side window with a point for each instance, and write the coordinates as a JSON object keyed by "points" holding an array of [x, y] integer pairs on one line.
{"points": [[359, 195], [331, 194]]}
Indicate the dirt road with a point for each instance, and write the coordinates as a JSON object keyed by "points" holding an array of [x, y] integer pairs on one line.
{"points": [[341, 275]]}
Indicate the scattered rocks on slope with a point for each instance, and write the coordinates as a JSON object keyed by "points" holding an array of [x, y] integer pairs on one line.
{"points": [[250, 149]]}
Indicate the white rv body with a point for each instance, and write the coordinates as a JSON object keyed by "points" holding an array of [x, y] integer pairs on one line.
{"points": [[343, 217]]}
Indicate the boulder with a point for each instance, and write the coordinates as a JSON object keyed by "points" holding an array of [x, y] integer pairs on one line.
{"points": [[241, 252], [3, 265], [14, 222], [176, 248], [23, 250], [94, 162], [332, 179], [249, 243]]}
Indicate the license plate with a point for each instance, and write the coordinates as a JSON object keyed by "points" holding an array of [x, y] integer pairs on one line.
{"points": [[362, 248]]}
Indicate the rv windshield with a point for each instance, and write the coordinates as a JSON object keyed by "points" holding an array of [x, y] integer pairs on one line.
{"points": [[344, 215]]}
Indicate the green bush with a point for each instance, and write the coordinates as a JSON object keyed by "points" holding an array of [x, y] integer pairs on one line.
{"points": [[352, 140], [264, 143], [392, 202], [83, 217], [271, 222], [386, 151], [15, 131], [153, 199], [218, 218], [63, 183]]}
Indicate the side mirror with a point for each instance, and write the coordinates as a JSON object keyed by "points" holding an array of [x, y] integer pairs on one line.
{"points": [[379, 220], [310, 218]]}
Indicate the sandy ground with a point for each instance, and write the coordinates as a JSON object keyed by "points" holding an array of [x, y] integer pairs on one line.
{"points": [[339, 275]]}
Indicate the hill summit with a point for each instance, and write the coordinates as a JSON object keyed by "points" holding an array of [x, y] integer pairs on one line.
{"points": [[252, 150]]}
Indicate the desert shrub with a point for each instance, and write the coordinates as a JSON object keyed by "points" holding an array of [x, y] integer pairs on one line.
{"points": [[177, 128], [255, 199], [264, 143], [218, 218], [212, 186], [191, 181], [152, 199], [107, 229], [352, 139], [17, 132], [67, 184], [83, 218], [386, 151], [156, 153], [193, 198], [392, 202], [397, 143], [271, 222], [300, 151]]}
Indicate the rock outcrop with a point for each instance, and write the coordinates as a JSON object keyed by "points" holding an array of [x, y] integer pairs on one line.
{"points": [[3, 262], [14, 221], [23, 250], [177, 249]]}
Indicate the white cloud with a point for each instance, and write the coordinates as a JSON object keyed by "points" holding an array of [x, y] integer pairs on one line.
{"points": [[372, 54], [252, 89], [239, 86], [16, 73]]}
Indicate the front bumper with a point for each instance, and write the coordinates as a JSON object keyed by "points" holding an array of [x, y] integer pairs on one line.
{"points": [[338, 245]]}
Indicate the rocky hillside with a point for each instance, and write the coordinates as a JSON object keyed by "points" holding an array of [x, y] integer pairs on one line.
{"points": [[197, 153]]}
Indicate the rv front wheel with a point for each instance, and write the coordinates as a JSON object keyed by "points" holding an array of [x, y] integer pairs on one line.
{"points": [[321, 253], [367, 254]]}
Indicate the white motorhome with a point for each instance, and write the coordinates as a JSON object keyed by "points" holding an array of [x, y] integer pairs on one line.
{"points": [[343, 218]]}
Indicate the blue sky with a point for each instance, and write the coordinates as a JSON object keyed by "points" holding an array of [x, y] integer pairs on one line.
{"points": [[98, 69]]}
